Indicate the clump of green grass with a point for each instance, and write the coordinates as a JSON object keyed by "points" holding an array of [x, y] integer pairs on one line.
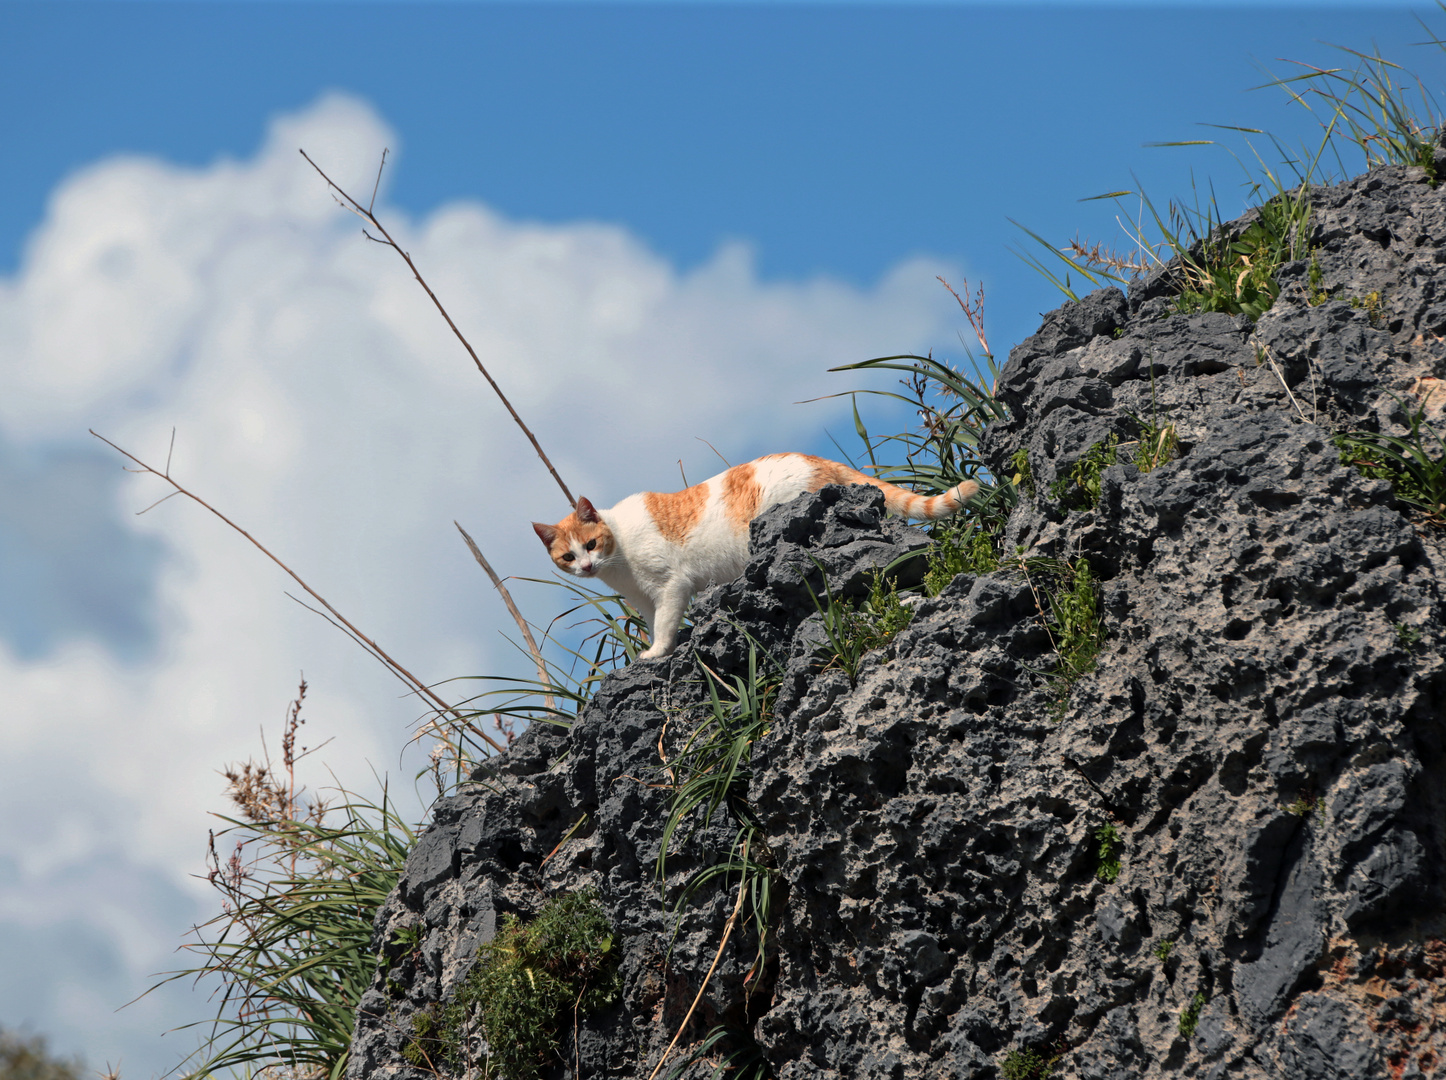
{"points": [[1079, 489], [524, 990], [1237, 276], [736, 1053], [1163, 949], [1158, 443], [1107, 855], [1315, 291], [962, 546], [1371, 305], [712, 770], [1190, 1015], [855, 628], [1414, 464], [1408, 637]]}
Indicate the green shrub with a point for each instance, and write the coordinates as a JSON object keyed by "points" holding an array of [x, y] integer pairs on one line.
{"points": [[1190, 1015], [1414, 464], [1080, 488], [1026, 1065], [26, 1057], [523, 991], [1107, 867]]}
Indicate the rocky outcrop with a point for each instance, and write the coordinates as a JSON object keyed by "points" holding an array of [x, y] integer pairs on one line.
{"points": [[1264, 735]]}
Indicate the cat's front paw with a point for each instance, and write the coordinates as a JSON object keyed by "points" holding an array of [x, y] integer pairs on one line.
{"points": [[654, 653]]}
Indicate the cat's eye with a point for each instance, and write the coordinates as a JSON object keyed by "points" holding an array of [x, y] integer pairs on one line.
{"points": [[568, 557], [591, 544]]}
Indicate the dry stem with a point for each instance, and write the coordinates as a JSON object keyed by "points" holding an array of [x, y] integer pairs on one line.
{"points": [[366, 214], [974, 313], [414, 683]]}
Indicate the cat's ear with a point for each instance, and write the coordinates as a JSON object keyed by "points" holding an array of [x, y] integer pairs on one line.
{"points": [[546, 533], [586, 511]]}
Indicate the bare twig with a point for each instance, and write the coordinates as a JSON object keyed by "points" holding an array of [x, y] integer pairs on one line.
{"points": [[414, 683], [727, 931], [974, 313], [516, 615], [1264, 350], [366, 214]]}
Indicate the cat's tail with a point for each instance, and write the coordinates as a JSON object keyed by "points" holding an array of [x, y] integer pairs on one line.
{"points": [[910, 504], [901, 501]]}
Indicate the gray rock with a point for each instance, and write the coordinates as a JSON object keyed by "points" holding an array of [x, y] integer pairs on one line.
{"points": [[1265, 738]]}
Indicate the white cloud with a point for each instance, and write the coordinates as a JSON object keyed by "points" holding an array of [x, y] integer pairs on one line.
{"points": [[321, 403]]}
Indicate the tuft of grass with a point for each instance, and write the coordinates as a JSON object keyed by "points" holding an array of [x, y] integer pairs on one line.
{"points": [[1407, 636], [527, 986], [1158, 443], [1190, 1015], [1315, 293], [1237, 276], [1080, 488], [735, 1055], [960, 547], [711, 771], [1107, 856], [1162, 950], [856, 627], [1414, 464]]}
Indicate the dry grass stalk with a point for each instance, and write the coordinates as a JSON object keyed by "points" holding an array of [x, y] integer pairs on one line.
{"points": [[367, 214], [973, 312], [412, 682]]}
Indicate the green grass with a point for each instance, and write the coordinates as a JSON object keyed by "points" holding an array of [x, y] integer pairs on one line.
{"points": [[1414, 464], [855, 628], [712, 770], [1079, 489], [734, 1053], [528, 986], [292, 946], [1163, 949]]}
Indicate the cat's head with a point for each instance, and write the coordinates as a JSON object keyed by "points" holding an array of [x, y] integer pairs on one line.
{"points": [[580, 543]]}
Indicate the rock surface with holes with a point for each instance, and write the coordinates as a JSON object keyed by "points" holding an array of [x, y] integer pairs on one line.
{"points": [[1264, 735]]}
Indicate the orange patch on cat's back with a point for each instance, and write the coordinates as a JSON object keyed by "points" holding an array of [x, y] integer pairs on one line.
{"points": [[741, 496], [676, 513]]}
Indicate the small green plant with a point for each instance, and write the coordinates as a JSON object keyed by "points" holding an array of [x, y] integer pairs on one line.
{"points": [[1162, 950], [1023, 474], [961, 546], [1028, 1064], [857, 627], [1237, 277], [524, 989], [1080, 489], [1078, 636], [1107, 856], [1407, 636], [1303, 806], [1190, 1015], [1414, 464], [1371, 305], [1315, 293]]}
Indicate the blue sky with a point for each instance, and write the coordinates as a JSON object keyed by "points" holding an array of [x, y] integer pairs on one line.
{"points": [[660, 222]]}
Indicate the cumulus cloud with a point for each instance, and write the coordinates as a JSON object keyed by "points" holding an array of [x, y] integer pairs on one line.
{"points": [[321, 403]]}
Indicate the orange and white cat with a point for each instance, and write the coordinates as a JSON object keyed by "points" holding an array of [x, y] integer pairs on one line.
{"points": [[658, 549]]}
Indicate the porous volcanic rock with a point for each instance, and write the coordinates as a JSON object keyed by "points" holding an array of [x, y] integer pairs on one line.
{"points": [[1264, 730]]}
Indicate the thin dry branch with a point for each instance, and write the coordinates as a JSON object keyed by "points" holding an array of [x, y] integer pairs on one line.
{"points": [[367, 214], [410, 680], [516, 615], [727, 931], [974, 313]]}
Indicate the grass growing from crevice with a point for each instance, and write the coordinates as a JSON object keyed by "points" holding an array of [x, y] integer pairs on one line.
{"points": [[856, 627], [735, 1054], [712, 771], [1414, 464], [529, 985], [1069, 610]]}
